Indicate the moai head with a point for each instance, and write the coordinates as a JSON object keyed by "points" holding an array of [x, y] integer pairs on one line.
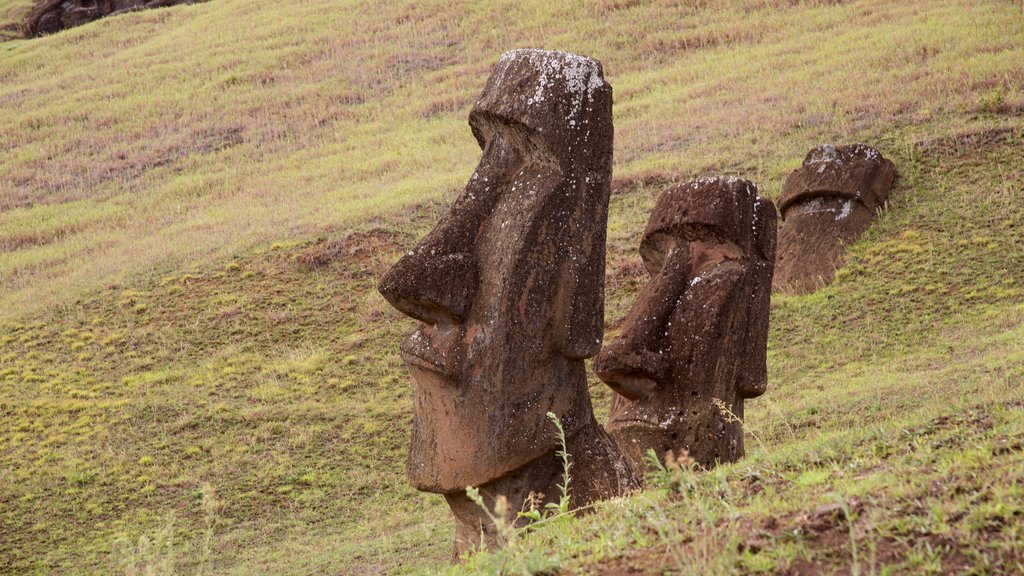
{"points": [[52, 16], [694, 343], [509, 286], [47, 17], [826, 204]]}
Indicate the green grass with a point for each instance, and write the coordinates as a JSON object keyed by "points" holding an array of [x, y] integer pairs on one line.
{"points": [[256, 379], [171, 137], [196, 370]]}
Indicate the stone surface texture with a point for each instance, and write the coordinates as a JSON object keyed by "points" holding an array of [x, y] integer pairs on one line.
{"points": [[51, 16], [827, 204], [694, 345], [509, 290]]}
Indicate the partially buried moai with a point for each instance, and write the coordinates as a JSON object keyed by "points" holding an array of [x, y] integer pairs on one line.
{"points": [[694, 345], [51, 16], [827, 204], [509, 288]]}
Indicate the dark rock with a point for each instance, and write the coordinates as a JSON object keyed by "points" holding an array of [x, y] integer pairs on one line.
{"points": [[509, 287], [694, 345], [50, 16], [827, 204]]}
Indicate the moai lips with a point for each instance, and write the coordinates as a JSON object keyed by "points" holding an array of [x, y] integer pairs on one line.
{"points": [[827, 204], [509, 290], [697, 335]]}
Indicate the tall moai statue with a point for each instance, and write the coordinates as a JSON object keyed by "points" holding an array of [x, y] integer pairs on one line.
{"points": [[509, 290], [827, 204], [694, 345]]}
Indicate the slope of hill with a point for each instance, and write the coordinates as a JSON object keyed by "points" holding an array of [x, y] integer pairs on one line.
{"points": [[196, 373], [167, 136], [892, 438]]}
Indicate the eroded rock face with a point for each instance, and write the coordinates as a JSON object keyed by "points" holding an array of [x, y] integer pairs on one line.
{"points": [[694, 345], [50, 16], [509, 288], [827, 204]]}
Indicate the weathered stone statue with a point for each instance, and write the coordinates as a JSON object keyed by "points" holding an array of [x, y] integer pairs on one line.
{"points": [[50, 16], [509, 287], [826, 204], [694, 345]]}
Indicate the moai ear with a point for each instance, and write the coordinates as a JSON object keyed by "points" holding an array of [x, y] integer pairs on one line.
{"points": [[584, 323], [753, 381]]}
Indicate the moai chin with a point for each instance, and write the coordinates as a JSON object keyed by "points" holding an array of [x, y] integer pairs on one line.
{"points": [[694, 345], [509, 290], [827, 204]]}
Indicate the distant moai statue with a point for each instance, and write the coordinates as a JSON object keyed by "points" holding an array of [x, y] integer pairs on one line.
{"points": [[509, 287], [694, 345], [50, 16], [827, 204]]}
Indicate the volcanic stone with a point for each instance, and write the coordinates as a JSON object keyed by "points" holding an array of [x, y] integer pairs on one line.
{"points": [[827, 204], [509, 290], [694, 344]]}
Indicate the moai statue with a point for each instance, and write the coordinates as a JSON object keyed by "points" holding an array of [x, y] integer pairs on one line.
{"points": [[694, 345], [50, 16], [826, 204], [47, 17], [509, 288]]}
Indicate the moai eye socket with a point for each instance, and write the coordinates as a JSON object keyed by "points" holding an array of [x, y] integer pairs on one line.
{"points": [[706, 256], [656, 248]]}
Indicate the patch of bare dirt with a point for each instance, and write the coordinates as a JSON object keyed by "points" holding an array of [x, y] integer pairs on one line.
{"points": [[655, 180], [352, 247], [966, 143]]}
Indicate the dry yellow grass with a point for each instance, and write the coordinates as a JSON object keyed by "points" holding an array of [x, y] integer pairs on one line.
{"points": [[181, 135]]}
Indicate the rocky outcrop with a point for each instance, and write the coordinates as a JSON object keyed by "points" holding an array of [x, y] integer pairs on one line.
{"points": [[694, 345], [50, 16], [509, 291], [827, 204]]}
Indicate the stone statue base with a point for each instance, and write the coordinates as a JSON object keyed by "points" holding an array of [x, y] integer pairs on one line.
{"points": [[601, 473]]}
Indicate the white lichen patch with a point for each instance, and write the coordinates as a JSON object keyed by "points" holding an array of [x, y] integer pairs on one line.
{"points": [[822, 154], [818, 205], [846, 210], [560, 74], [827, 154], [748, 186]]}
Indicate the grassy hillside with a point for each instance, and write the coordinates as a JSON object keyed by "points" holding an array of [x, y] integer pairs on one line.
{"points": [[196, 371], [171, 136]]}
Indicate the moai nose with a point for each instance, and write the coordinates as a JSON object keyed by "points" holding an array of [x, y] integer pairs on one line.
{"points": [[634, 365], [432, 285], [437, 281]]}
